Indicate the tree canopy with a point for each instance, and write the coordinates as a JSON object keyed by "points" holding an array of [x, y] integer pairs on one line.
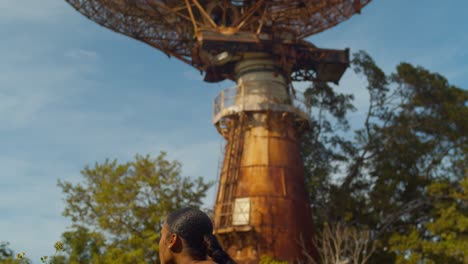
{"points": [[118, 209], [403, 173], [6, 254]]}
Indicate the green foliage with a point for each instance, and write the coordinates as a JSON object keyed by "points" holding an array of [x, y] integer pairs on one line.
{"points": [[322, 145], [414, 140], [5, 251], [9, 261], [83, 245], [7, 256], [118, 209], [270, 260], [444, 239]]}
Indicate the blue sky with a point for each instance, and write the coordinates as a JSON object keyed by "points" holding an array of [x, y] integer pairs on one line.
{"points": [[73, 93]]}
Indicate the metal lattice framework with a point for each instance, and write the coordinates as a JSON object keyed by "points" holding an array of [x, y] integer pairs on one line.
{"points": [[262, 207], [177, 26]]}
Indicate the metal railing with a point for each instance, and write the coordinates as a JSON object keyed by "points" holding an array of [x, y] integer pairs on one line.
{"points": [[233, 100]]}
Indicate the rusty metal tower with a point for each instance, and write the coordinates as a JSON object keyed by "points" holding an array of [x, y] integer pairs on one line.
{"points": [[262, 207]]}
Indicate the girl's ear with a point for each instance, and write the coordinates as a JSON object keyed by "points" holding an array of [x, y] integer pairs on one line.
{"points": [[173, 240]]}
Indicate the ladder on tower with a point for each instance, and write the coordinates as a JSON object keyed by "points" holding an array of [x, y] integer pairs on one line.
{"points": [[232, 170]]}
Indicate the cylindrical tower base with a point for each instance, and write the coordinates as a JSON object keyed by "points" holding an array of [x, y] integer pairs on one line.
{"points": [[262, 206]]}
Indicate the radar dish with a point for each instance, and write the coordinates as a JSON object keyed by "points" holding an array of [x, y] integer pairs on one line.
{"points": [[176, 26], [261, 46]]}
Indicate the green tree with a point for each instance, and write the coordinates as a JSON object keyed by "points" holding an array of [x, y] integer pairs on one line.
{"points": [[415, 135], [5, 251], [324, 148], [118, 209], [83, 245], [7, 256], [265, 259], [444, 239]]}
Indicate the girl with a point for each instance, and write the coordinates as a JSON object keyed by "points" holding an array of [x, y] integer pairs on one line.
{"points": [[187, 237]]}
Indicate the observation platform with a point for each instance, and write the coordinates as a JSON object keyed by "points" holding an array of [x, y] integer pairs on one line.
{"points": [[233, 100]]}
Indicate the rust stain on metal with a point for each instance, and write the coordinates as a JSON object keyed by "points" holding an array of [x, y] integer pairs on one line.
{"points": [[261, 206], [277, 27], [262, 170]]}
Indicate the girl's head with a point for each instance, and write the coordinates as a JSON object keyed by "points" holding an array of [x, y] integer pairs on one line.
{"points": [[189, 232]]}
